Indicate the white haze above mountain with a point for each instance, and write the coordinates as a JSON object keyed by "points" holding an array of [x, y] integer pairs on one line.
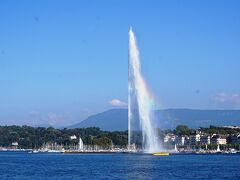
{"points": [[62, 117]]}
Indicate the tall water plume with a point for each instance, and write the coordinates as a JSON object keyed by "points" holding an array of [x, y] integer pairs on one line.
{"points": [[140, 101]]}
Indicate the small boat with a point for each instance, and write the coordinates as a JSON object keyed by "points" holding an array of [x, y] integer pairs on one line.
{"points": [[161, 154], [34, 151]]}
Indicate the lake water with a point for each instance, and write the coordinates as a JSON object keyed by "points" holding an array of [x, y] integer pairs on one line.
{"points": [[22, 165]]}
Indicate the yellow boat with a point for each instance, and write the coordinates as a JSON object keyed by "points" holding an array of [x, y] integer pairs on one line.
{"points": [[161, 154]]}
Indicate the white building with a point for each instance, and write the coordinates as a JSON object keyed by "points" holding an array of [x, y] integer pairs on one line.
{"points": [[198, 137], [219, 139], [169, 138], [15, 144], [73, 137]]}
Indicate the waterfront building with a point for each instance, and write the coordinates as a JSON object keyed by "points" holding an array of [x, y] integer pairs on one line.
{"points": [[169, 138], [219, 139], [181, 140], [73, 137], [234, 139], [194, 139], [166, 139], [222, 140], [198, 137], [205, 140], [14, 145]]}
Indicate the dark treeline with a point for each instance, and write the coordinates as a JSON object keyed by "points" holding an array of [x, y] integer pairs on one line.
{"points": [[220, 130], [31, 137], [35, 137]]}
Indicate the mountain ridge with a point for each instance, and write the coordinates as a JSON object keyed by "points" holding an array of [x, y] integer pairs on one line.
{"points": [[117, 119]]}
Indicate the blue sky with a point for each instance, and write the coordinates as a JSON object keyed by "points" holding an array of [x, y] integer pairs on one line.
{"points": [[61, 61]]}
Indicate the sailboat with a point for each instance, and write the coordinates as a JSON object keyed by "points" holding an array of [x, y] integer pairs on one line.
{"points": [[80, 144], [218, 149]]}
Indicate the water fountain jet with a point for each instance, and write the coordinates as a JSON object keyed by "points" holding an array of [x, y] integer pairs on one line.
{"points": [[140, 101]]}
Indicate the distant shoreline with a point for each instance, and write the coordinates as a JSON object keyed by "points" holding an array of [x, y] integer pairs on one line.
{"points": [[27, 151]]}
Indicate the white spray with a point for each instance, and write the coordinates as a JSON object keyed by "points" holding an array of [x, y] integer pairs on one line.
{"points": [[138, 91]]}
